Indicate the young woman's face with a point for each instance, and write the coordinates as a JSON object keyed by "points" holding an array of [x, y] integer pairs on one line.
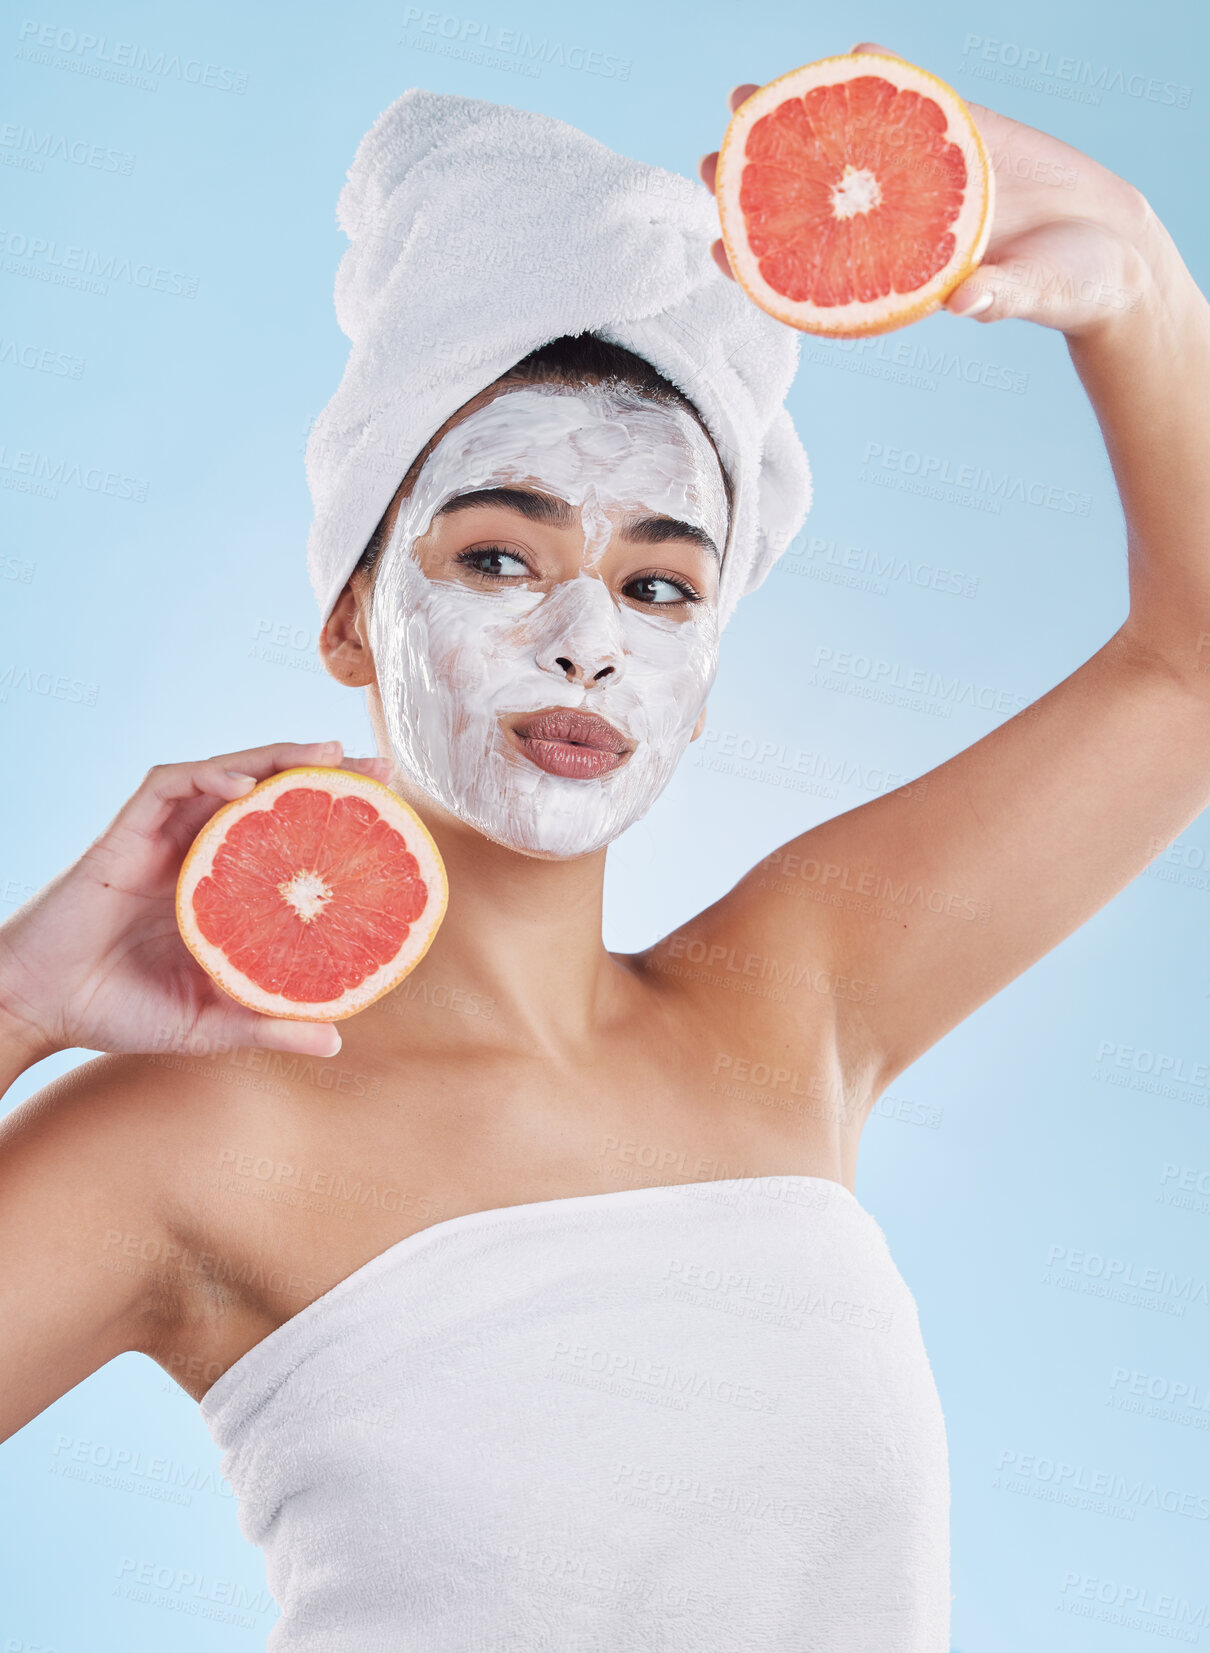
{"points": [[544, 616]]}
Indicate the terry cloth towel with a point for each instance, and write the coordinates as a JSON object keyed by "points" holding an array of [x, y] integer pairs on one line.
{"points": [[479, 232], [679, 1419]]}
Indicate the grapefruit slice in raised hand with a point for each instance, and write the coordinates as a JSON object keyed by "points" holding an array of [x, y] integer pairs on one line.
{"points": [[854, 194], [311, 896]]}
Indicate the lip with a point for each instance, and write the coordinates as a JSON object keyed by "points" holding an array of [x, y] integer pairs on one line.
{"points": [[574, 744]]}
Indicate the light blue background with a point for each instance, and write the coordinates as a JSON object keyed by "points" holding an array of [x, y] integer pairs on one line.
{"points": [[162, 610]]}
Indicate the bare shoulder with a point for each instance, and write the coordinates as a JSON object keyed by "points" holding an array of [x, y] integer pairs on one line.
{"points": [[87, 1168], [105, 1146], [100, 1124], [119, 1156], [124, 1108]]}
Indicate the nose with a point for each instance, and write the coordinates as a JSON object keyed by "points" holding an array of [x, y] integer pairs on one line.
{"points": [[579, 637]]}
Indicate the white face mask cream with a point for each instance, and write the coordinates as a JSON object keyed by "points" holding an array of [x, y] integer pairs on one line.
{"points": [[455, 663]]}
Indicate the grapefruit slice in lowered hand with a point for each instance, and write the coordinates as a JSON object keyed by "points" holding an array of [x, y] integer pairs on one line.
{"points": [[311, 896], [854, 194]]}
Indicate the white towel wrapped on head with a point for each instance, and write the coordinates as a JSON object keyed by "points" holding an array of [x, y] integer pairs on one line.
{"points": [[479, 232]]}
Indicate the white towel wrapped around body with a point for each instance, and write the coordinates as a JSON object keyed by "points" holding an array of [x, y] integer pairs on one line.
{"points": [[478, 232], [688, 1419]]}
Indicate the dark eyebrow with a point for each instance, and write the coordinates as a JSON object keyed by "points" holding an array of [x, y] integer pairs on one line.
{"points": [[557, 513], [658, 530]]}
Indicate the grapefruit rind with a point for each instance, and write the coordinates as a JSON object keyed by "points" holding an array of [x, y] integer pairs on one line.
{"points": [[200, 859], [971, 229]]}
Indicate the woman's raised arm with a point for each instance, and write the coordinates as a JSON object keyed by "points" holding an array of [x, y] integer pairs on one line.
{"points": [[940, 894]]}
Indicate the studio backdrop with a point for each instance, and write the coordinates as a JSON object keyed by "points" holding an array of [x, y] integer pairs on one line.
{"points": [[167, 252]]}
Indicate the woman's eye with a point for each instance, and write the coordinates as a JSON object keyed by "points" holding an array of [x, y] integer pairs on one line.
{"points": [[494, 561], [656, 590]]}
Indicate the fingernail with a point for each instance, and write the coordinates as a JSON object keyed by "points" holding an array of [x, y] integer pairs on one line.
{"points": [[981, 302], [243, 781], [309, 1044]]}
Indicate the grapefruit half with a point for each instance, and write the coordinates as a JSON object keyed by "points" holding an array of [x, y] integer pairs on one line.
{"points": [[311, 896], [854, 195]]}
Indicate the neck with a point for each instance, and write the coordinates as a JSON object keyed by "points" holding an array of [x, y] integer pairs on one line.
{"points": [[518, 960]]}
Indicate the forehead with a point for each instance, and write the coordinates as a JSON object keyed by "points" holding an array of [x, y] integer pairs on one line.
{"points": [[609, 444], [617, 393], [601, 421]]}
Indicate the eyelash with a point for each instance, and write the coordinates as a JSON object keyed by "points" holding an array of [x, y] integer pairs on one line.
{"points": [[467, 559]]}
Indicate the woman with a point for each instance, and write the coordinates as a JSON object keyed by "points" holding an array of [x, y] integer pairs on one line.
{"points": [[605, 1360]]}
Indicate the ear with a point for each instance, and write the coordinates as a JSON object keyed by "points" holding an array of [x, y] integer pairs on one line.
{"points": [[344, 645], [699, 725]]}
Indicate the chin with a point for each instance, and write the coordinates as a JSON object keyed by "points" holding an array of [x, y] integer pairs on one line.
{"points": [[557, 842], [512, 803], [554, 818]]}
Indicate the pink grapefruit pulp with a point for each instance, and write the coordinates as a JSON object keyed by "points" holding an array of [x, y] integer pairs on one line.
{"points": [[313, 895], [854, 195]]}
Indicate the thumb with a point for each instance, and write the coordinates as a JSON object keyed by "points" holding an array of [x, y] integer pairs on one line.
{"points": [[876, 49], [1018, 288], [299, 1038], [240, 1026], [979, 296]]}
